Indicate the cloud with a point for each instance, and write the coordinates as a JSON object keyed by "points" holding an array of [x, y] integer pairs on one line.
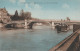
{"points": [[22, 1], [36, 6], [32, 3], [13, 1], [65, 6], [26, 5], [32, 6]]}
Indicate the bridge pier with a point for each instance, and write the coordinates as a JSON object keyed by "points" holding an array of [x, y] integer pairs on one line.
{"points": [[25, 26], [52, 24]]}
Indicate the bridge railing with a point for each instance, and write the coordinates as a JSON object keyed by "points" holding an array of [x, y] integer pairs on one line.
{"points": [[71, 43]]}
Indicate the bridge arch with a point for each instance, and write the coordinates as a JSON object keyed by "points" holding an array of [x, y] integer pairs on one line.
{"points": [[13, 25], [31, 24]]}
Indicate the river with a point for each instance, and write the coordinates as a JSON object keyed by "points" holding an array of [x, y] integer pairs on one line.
{"points": [[41, 38]]}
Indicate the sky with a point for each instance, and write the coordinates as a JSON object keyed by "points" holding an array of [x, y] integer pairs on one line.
{"points": [[45, 9]]}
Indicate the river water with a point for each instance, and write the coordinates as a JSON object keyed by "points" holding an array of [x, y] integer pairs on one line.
{"points": [[39, 39]]}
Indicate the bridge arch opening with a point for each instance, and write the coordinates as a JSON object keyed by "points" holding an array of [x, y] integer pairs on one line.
{"points": [[30, 25]]}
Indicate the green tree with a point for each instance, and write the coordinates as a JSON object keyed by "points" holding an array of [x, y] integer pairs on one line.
{"points": [[15, 16], [16, 13]]}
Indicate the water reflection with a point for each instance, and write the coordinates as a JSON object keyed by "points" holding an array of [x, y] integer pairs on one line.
{"points": [[38, 39]]}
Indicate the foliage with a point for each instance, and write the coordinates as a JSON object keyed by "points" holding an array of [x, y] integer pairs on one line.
{"points": [[23, 15]]}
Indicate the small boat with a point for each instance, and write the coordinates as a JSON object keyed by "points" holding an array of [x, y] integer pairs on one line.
{"points": [[62, 28]]}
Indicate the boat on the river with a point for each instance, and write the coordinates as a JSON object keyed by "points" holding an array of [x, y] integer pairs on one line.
{"points": [[62, 27]]}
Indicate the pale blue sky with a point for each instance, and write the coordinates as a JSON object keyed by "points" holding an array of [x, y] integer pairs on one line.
{"points": [[45, 9]]}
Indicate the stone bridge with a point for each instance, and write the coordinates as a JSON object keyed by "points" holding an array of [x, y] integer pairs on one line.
{"points": [[27, 24], [30, 23]]}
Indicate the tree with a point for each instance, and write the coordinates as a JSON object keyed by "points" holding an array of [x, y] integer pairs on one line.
{"points": [[16, 13], [27, 15], [15, 16], [22, 14]]}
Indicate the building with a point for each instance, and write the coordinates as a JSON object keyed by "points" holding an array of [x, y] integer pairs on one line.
{"points": [[4, 15]]}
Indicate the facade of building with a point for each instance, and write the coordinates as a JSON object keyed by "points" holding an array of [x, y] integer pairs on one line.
{"points": [[4, 15]]}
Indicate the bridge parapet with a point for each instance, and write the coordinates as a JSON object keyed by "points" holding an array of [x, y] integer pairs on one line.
{"points": [[71, 43]]}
